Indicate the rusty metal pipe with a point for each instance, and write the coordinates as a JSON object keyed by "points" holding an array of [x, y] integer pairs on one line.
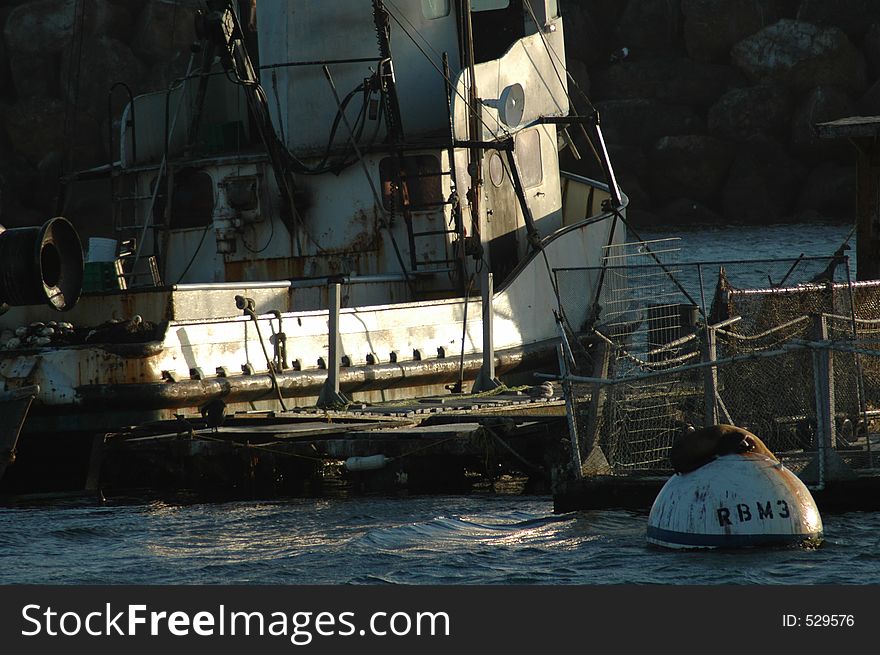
{"points": [[291, 384]]}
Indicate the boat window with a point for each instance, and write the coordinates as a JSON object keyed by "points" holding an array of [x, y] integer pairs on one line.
{"points": [[497, 25], [412, 182], [192, 200], [528, 157], [432, 9], [489, 5], [496, 169]]}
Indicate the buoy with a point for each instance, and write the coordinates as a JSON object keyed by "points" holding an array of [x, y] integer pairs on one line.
{"points": [[735, 500], [371, 463]]}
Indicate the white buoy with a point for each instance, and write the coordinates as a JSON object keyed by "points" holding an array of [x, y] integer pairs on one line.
{"points": [[733, 501], [371, 463]]}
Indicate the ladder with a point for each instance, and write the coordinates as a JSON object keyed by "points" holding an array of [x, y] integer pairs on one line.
{"points": [[130, 203]]}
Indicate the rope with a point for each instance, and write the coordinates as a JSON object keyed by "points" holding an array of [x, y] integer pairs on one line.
{"points": [[513, 452], [251, 446]]}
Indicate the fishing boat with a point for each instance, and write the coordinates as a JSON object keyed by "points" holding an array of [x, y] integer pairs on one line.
{"points": [[350, 201]]}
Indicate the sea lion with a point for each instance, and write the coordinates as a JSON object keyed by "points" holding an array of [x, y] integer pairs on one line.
{"points": [[691, 450]]}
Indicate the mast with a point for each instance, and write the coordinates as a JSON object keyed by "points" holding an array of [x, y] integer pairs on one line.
{"points": [[475, 167]]}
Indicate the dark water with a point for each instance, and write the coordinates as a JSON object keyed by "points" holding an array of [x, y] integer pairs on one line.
{"points": [[422, 540], [415, 540]]}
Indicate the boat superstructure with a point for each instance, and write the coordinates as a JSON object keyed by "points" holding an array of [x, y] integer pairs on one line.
{"points": [[397, 159]]}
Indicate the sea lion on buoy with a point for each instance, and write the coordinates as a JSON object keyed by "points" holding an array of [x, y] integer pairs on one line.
{"points": [[693, 449]]}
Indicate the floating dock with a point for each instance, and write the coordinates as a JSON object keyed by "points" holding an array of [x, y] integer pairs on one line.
{"points": [[505, 441]]}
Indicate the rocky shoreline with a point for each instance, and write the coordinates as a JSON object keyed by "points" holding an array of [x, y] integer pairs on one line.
{"points": [[707, 105]]}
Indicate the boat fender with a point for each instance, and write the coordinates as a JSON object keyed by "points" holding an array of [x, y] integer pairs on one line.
{"points": [[371, 463], [697, 448]]}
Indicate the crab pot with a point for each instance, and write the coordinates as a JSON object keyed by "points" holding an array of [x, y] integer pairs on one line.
{"points": [[734, 501], [41, 265]]}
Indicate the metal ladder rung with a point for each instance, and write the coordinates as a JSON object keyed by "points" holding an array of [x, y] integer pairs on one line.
{"points": [[408, 176], [427, 205], [130, 198], [433, 233]]}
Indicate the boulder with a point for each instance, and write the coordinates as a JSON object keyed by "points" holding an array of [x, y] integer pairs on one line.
{"points": [[37, 126], [671, 79], [763, 183], [741, 113], [869, 104], [102, 62], [830, 190], [852, 16], [628, 158], [651, 25], [686, 211], [5, 73], [689, 166], [711, 27], [871, 50], [822, 104], [43, 27], [33, 75], [585, 36], [633, 189], [165, 27], [582, 82], [800, 55], [18, 181], [641, 122]]}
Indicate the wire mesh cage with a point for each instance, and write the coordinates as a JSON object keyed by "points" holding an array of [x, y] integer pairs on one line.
{"points": [[789, 349]]}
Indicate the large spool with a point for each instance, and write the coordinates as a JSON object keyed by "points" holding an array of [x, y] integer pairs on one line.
{"points": [[41, 265]]}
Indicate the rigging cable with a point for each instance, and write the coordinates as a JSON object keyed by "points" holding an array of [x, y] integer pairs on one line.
{"points": [[70, 115], [437, 68], [553, 54]]}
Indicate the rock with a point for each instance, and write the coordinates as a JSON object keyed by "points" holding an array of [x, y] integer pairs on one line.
{"points": [[628, 158], [869, 104], [852, 16], [741, 113], [800, 55], [871, 50], [633, 188], [45, 27], [642, 122], [102, 62], [711, 27], [822, 104], [689, 212], [651, 25], [690, 166], [671, 79], [33, 75], [5, 72], [830, 190], [582, 84], [162, 74], [36, 127], [640, 217], [585, 36], [763, 183], [164, 28]]}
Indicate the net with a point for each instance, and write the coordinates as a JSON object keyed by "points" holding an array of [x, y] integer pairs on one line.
{"points": [[788, 349]]}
